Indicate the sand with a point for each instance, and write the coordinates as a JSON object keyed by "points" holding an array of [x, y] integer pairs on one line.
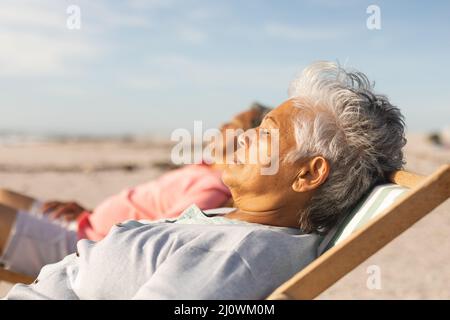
{"points": [[416, 265]]}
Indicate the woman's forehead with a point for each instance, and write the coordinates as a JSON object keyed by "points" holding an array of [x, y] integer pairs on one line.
{"points": [[284, 112]]}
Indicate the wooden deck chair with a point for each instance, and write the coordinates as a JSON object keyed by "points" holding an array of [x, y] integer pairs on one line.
{"points": [[424, 194], [14, 277], [350, 250]]}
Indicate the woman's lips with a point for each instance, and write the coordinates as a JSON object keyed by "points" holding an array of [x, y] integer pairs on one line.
{"points": [[237, 159], [242, 156]]}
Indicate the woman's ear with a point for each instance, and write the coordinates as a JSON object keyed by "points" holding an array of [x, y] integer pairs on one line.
{"points": [[311, 174]]}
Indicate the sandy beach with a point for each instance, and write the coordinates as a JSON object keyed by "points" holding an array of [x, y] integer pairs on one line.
{"points": [[414, 266]]}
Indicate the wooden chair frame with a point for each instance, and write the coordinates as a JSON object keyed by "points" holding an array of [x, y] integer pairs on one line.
{"points": [[14, 277], [426, 194]]}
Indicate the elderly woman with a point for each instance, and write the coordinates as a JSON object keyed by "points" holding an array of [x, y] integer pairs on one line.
{"points": [[337, 139], [33, 234]]}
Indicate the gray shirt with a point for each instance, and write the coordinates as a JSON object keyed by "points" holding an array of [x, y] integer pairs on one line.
{"points": [[194, 257]]}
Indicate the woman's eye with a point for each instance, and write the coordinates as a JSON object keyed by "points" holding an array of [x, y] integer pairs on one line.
{"points": [[263, 131]]}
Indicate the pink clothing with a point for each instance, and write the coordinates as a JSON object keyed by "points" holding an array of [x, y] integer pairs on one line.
{"points": [[165, 197]]}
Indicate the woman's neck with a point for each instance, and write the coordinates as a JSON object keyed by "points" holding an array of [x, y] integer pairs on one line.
{"points": [[281, 217]]}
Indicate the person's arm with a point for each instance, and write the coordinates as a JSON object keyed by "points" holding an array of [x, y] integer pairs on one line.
{"points": [[53, 283], [68, 211], [56, 209]]}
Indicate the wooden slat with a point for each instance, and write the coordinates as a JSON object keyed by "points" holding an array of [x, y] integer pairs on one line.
{"points": [[14, 277], [344, 257], [406, 179]]}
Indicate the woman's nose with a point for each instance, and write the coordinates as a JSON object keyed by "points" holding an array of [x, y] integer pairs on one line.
{"points": [[246, 139], [243, 140]]}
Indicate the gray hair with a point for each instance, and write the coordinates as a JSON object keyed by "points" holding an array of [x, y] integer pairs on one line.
{"points": [[360, 133]]}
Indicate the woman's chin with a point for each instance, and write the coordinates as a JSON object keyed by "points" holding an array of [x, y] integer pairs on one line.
{"points": [[230, 174]]}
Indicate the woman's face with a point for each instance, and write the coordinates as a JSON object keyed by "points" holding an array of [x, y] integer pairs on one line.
{"points": [[230, 132], [245, 178]]}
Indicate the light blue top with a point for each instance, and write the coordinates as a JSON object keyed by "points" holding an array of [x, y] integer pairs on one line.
{"points": [[193, 257]]}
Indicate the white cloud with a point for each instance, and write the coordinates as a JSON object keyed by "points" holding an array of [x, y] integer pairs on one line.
{"points": [[204, 13], [145, 82], [332, 4], [111, 19], [192, 35], [52, 15], [25, 54], [35, 40], [150, 4], [23, 14], [289, 32], [174, 71], [103, 16]]}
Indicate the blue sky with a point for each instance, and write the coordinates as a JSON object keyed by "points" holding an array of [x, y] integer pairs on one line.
{"points": [[153, 66]]}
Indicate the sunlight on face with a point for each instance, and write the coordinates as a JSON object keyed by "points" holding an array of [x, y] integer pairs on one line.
{"points": [[268, 144], [224, 145]]}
